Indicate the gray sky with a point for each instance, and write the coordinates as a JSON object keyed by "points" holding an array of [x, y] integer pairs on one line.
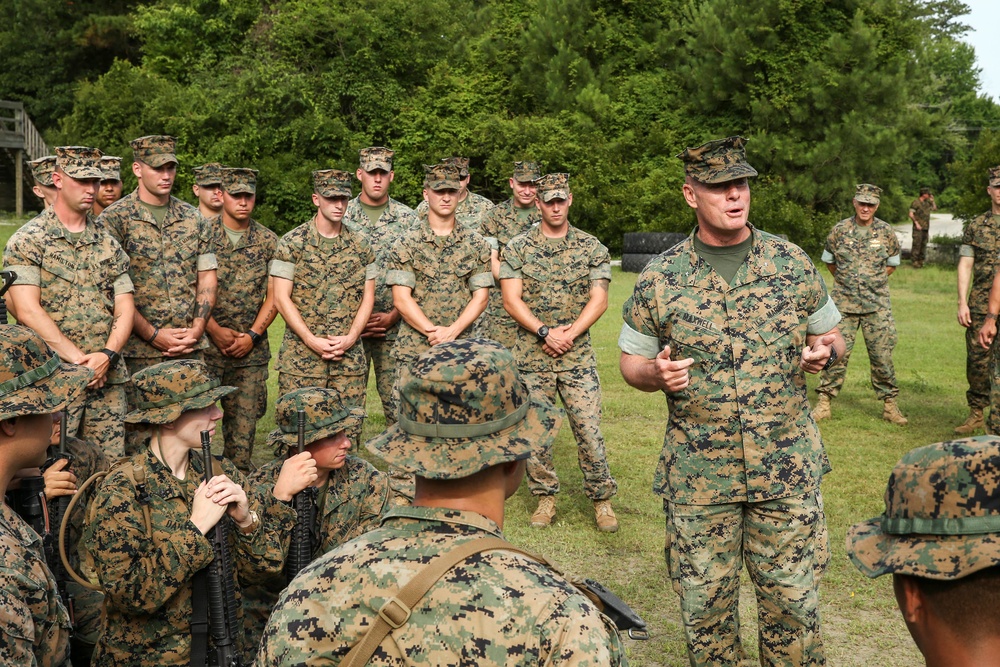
{"points": [[984, 19]]}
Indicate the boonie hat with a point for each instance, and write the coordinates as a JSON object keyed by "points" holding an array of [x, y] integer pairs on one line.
{"points": [[332, 183], [166, 390], [464, 408], [42, 168], [324, 412], [527, 171], [718, 161], [442, 177], [237, 180], [376, 157], [155, 150], [208, 174], [942, 514], [111, 168], [33, 380], [553, 186], [79, 162], [866, 193]]}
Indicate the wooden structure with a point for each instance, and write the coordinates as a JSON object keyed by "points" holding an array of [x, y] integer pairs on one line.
{"points": [[21, 142]]}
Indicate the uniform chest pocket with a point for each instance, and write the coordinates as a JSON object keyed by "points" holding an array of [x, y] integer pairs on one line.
{"points": [[60, 267], [426, 265], [784, 333], [464, 266], [694, 339]]}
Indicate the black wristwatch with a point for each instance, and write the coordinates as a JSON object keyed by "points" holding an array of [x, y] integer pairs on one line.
{"points": [[542, 332], [113, 356], [255, 337], [832, 360]]}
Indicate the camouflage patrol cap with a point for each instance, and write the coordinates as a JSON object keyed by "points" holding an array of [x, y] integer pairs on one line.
{"points": [[376, 157], [527, 171], [79, 162], [442, 177], [925, 191], [208, 174], [718, 161], [155, 150], [866, 193], [461, 162], [111, 168], [325, 416], [42, 168], [237, 180], [167, 390], [942, 514], [553, 186], [332, 183], [463, 408], [995, 176], [33, 381]]}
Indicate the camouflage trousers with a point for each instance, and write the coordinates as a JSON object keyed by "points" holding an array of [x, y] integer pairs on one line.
{"points": [[580, 390], [241, 410], [503, 328], [97, 416], [400, 481], [351, 388], [379, 353], [879, 330], [918, 250], [980, 368], [784, 545], [136, 434]]}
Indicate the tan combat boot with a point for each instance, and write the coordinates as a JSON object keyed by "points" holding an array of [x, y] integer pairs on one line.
{"points": [[892, 414], [607, 522], [822, 409], [972, 423], [542, 517]]}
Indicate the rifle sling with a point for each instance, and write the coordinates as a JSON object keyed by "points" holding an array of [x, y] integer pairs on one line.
{"points": [[396, 611]]}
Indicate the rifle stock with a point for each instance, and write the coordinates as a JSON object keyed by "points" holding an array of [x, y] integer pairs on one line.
{"points": [[50, 539], [8, 278], [300, 549], [221, 593]]}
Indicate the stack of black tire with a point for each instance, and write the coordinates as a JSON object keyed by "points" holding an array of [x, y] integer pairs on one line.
{"points": [[640, 247]]}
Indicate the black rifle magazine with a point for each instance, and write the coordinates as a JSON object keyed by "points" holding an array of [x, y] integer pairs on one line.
{"points": [[617, 610]]}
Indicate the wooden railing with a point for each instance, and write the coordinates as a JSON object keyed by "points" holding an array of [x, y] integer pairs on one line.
{"points": [[20, 139]]}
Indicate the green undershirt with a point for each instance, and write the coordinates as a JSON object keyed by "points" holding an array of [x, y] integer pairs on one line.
{"points": [[159, 213], [726, 260], [373, 212], [234, 235]]}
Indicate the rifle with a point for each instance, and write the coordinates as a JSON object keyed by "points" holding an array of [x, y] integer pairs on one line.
{"points": [[300, 550], [221, 592], [50, 539], [28, 501], [8, 278]]}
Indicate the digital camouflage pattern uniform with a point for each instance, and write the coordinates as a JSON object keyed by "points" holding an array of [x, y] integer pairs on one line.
{"points": [[34, 625], [350, 502], [557, 275], [328, 276], [164, 261], [394, 220], [922, 212], [79, 280], [469, 212], [862, 254], [243, 273], [940, 514], [496, 607], [502, 223], [981, 241], [742, 458], [147, 578]]}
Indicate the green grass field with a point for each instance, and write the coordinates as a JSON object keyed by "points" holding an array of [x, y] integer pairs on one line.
{"points": [[861, 625]]}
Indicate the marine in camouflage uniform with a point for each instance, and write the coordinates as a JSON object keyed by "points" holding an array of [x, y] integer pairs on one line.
{"points": [[977, 267], [74, 289], [41, 173], [351, 493], [742, 459], [244, 309], [508, 219], [497, 607], [471, 208], [391, 219], [555, 281], [324, 281], [34, 625], [940, 539], [861, 253], [171, 264], [207, 189], [148, 577], [110, 189], [920, 214]]}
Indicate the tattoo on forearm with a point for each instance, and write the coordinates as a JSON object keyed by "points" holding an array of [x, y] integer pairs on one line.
{"points": [[603, 284], [114, 322], [202, 310]]}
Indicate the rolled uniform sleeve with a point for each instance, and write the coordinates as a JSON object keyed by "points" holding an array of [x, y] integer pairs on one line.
{"points": [[206, 255], [400, 266], [824, 319], [640, 332], [283, 269], [482, 276]]}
